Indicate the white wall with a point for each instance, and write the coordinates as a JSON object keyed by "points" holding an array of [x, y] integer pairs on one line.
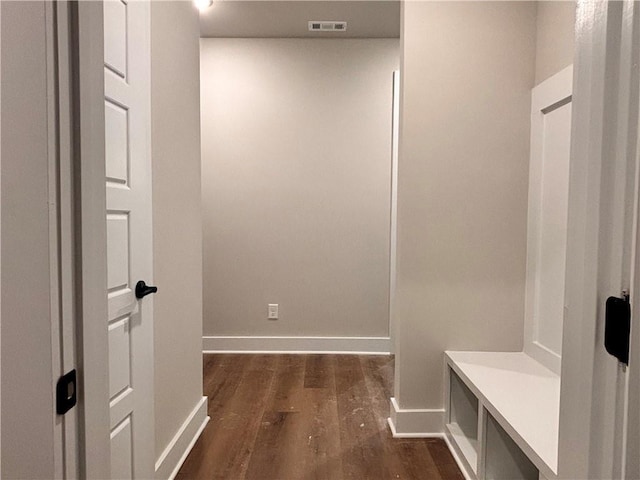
{"points": [[296, 142], [27, 378], [463, 182], [555, 32], [177, 218]]}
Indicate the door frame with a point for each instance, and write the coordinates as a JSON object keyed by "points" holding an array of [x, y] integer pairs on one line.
{"points": [[393, 240], [0, 243], [602, 165], [87, 45]]}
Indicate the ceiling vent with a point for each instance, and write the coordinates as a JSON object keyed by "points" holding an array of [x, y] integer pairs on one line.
{"points": [[325, 26]]}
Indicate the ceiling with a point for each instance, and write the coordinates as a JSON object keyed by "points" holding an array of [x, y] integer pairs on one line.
{"points": [[274, 19]]}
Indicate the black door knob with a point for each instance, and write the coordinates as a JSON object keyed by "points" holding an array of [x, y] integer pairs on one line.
{"points": [[142, 289]]}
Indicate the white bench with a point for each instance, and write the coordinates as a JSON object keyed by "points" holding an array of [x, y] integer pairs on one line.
{"points": [[502, 415]]}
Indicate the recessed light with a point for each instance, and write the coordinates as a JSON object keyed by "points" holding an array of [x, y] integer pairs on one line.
{"points": [[203, 4]]}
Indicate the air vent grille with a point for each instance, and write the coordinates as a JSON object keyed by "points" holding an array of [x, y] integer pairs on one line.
{"points": [[327, 26]]}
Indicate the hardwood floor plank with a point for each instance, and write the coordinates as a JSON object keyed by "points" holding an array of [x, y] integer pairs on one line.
{"points": [[235, 419], [416, 460], [361, 443], [315, 374], [307, 417], [274, 451], [402, 458], [303, 435], [318, 431], [275, 442], [444, 460], [288, 385], [221, 382], [222, 376]]}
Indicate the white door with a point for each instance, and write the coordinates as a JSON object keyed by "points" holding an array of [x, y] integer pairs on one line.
{"points": [[129, 235], [599, 426], [617, 241]]}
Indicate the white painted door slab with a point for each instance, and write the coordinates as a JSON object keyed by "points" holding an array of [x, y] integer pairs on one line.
{"points": [[547, 218], [618, 243], [129, 235], [599, 427]]}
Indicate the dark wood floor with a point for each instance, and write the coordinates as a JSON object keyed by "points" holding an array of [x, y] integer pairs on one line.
{"points": [[295, 417]]}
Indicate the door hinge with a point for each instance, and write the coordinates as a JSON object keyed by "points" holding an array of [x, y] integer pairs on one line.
{"points": [[617, 327], [66, 393]]}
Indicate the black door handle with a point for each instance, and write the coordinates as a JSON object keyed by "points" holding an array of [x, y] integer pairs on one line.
{"points": [[142, 289]]}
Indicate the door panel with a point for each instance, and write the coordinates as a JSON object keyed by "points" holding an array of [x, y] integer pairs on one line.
{"points": [[128, 219], [115, 37], [117, 251], [121, 450], [553, 236], [551, 109], [119, 359], [116, 121]]}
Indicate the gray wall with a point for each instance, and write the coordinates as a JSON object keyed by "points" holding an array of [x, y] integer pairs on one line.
{"points": [[296, 139], [554, 37], [463, 182], [177, 218], [27, 377]]}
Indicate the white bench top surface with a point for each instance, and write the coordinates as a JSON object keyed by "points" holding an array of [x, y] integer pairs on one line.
{"points": [[521, 394]]}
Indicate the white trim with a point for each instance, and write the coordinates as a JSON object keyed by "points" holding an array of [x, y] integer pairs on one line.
{"points": [[553, 90], [0, 250], [55, 178], [65, 217], [91, 238], [61, 226], [395, 434], [393, 240], [170, 461], [581, 287], [415, 422], [250, 344]]}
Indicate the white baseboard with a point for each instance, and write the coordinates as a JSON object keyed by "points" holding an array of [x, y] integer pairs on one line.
{"points": [[415, 422], [240, 344], [175, 454]]}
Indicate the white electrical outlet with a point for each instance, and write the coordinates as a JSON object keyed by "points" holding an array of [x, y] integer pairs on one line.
{"points": [[273, 311]]}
